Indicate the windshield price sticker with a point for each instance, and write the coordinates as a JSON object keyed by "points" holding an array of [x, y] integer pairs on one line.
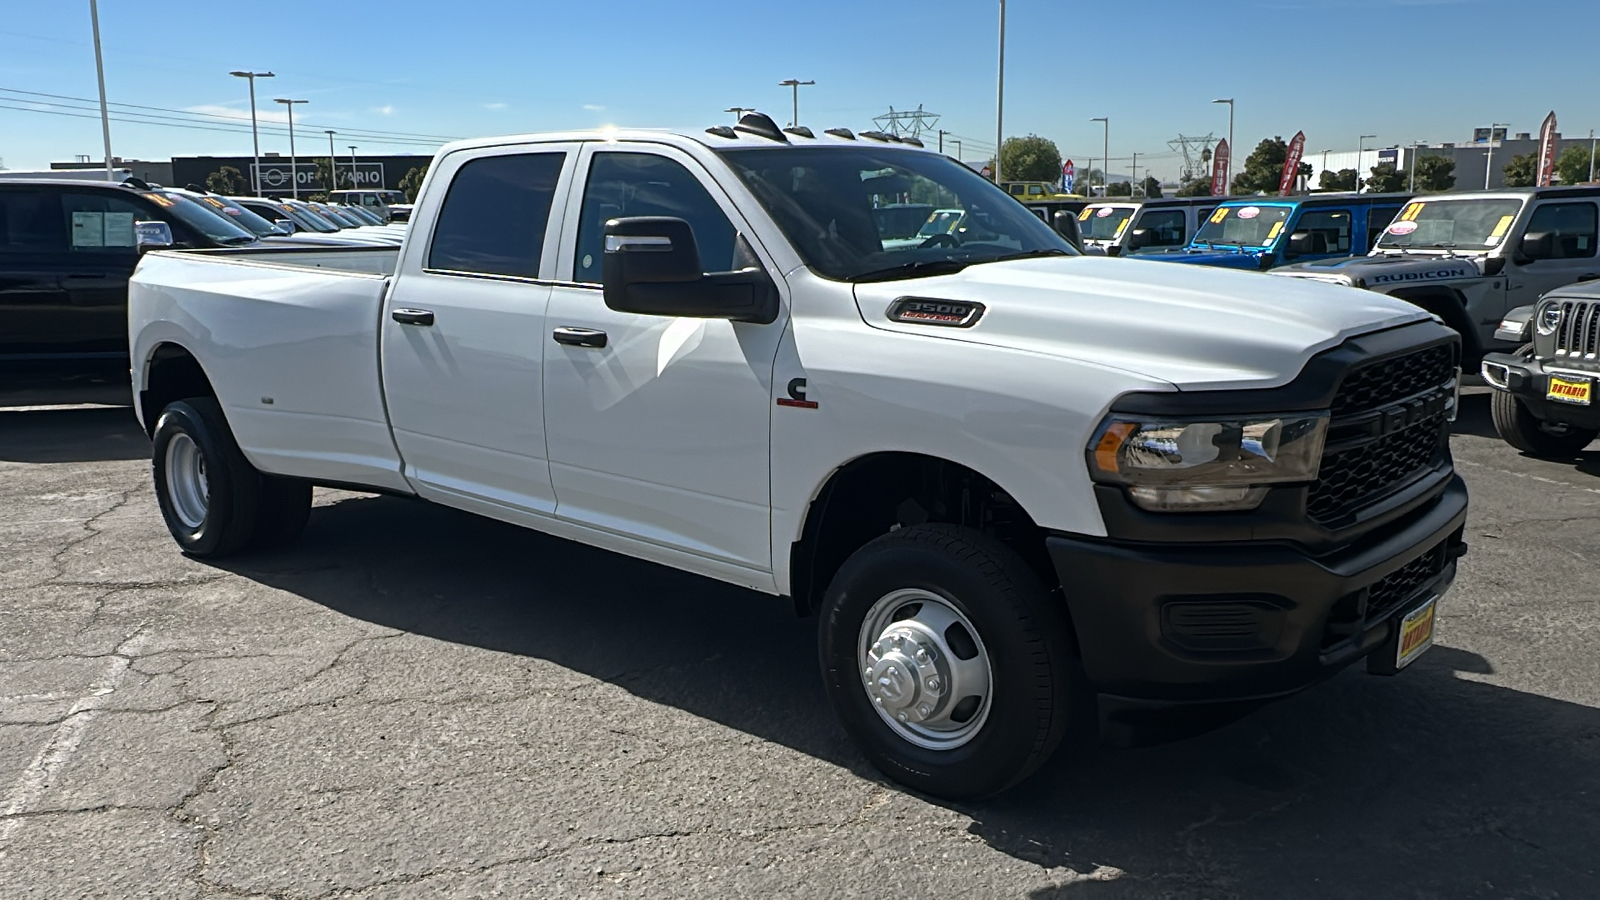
{"points": [[1122, 226], [1219, 215], [1411, 212], [1402, 227], [1501, 227], [1249, 212], [1271, 235], [162, 201], [1104, 211], [1084, 216]]}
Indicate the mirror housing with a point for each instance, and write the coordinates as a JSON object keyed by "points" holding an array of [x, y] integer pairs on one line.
{"points": [[1066, 225], [151, 235], [1139, 239], [1536, 245], [286, 226], [651, 266]]}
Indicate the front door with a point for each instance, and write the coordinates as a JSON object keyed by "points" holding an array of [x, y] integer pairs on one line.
{"points": [[658, 426], [463, 331], [1572, 226], [102, 251]]}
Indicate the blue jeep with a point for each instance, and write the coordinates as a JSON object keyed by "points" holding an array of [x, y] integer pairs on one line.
{"points": [[1265, 232]]}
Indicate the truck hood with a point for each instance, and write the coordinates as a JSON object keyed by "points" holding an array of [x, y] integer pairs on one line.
{"points": [[1382, 272], [1225, 259], [1196, 328]]}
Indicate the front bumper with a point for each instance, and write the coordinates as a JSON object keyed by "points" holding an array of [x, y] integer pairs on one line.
{"points": [[1163, 626], [1529, 380]]}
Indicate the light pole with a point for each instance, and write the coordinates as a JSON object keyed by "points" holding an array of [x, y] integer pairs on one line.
{"points": [[1227, 175], [100, 73], [1488, 162], [1412, 186], [1105, 148], [795, 84], [294, 167], [739, 111], [1134, 183], [1591, 154], [333, 165], [353, 166], [1324, 164], [958, 148], [1000, 96], [1361, 147], [255, 139]]}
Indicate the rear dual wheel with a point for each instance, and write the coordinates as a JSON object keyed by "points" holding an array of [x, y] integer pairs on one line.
{"points": [[213, 500]]}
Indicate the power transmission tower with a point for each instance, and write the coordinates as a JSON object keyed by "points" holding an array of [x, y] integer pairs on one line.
{"points": [[907, 123], [1196, 153]]}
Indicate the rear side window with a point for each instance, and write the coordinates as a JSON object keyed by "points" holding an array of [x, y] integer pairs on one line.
{"points": [[1328, 228], [1378, 219], [102, 222], [1164, 228], [495, 214], [31, 222]]}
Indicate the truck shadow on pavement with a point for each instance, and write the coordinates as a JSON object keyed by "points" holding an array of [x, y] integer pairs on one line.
{"points": [[1435, 784], [82, 434]]}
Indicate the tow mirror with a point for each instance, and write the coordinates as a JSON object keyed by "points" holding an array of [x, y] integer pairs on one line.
{"points": [[1139, 239], [1066, 224], [1302, 243], [651, 266], [1536, 245], [153, 236], [286, 226]]}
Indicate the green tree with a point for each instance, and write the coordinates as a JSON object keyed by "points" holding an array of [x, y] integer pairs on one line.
{"points": [[1573, 165], [1435, 173], [1030, 158], [1385, 179], [228, 181], [1522, 171], [1198, 187], [1263, 168], [411, 184], [327, 172], [1152, 187], [1342, 180], [1119, 189]]}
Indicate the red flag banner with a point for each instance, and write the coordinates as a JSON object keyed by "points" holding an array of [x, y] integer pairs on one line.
{"points": [[1219, 169], [1291, 163], [1547, 149]]}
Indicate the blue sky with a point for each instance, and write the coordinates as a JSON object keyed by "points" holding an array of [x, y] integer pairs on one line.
{"points": [[1405, 70]]}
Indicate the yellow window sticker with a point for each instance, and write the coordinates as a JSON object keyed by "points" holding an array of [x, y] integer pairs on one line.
{"points": [[1219, 215], [1122, 226], [1084, 216], [162, 201], [1501, 227], [1273, 234], [1411, 212]]}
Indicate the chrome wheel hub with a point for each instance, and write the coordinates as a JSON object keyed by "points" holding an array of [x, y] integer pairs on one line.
{"points": [[187, 487], [925, 669]]}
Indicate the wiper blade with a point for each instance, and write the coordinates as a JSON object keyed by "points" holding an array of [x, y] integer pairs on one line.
{"points": [[917, 269], [235, 241], [1025, 254]]}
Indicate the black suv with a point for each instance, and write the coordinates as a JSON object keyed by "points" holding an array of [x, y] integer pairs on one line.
{"points": [[1544, 400], [66, 251]]}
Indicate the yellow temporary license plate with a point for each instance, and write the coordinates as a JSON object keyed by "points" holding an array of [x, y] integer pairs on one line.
{"points": [[1416, 634], [1570, 390]]}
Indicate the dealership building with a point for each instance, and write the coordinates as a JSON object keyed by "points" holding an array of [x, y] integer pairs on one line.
{"points": [[372, 172]]}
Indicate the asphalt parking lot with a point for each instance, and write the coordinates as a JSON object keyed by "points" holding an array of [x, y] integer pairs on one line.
{"points": [[417, 703]]}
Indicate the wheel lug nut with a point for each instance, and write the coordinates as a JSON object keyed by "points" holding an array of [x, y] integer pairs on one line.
{"points": [[902, 717], [933, 683], [924, 709], [922, 656]]}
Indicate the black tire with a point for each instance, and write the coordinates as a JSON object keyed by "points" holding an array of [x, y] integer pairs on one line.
{"points": [[1520, 428], [285, 508], [233, 500], [1025, 630]]}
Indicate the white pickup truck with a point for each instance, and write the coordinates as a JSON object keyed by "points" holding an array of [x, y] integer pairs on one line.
{"points": [[1014, 485]]}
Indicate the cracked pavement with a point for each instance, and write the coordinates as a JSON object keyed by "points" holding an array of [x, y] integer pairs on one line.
{"points": [[413, 703]]}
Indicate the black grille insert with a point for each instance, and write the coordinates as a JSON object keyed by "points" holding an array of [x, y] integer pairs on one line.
{"points": [[1402, 584], [1351, 479], [1380, 384]]}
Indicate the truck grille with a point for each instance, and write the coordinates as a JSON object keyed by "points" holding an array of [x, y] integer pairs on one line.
{"points": [[1396, 408], [1578, 335], [1401, 585]]}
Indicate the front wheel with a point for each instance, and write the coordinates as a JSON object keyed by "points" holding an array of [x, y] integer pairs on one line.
{"points": [[946, 660], [1520, 428]]}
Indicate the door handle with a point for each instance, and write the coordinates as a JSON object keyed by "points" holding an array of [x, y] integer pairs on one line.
{"points": [[412, 316], [579, 337]]}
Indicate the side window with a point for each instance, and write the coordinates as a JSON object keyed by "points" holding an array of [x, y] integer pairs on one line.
{"points": [[1378, 219], [1164, 228], [494, 215], [1201, 214], [99, 222], [30, 222], [1573, 225], [1329, 230], [624, 185]]}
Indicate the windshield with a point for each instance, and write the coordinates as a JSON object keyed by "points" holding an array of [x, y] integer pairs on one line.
{"points": [[339, 216], [364, 215], [240, 216], [203, 219], [1243, 226], [1104, 223], [305, 220], [311, 212], [824, 199], [1451, 224]]}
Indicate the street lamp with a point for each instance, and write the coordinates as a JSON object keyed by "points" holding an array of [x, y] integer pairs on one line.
{"points": [[1488, 163], [739, 111], [294, 168], [1227, 175], [1000, 96], [255, 139], [100, 73], [1105, 154], [1412, 186], [795, 83], [353, 167], [1361, 147], [333, 166]]}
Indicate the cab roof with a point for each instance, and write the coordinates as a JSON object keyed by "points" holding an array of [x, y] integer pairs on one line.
{"points": [[755, 131]]}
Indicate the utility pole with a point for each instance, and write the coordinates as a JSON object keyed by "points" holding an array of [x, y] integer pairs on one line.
{"points": [[1135, 182], [1000, 96], [333, 165], [795, 83], [255, 138], [1488, 163], [1412, 187], [294, 165], [957, 142], [353, 166], [1361, 148], [1591, 154], [100, 73], [1105, 154]]}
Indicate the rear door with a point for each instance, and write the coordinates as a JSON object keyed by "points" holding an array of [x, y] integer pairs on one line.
{"points": [[1573, 227], [33, 246], [1328, 231], [102, 250], [464, 336]]}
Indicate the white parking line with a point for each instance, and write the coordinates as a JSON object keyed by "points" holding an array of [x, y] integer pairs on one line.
{"points": [[57, 751], [1538, 478]]}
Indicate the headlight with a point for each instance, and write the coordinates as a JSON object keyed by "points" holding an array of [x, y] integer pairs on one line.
{"points": [[1549, 318], [1209, 465]]}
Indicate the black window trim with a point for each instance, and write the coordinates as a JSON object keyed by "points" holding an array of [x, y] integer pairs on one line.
{"points": [[1594, 216]]}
